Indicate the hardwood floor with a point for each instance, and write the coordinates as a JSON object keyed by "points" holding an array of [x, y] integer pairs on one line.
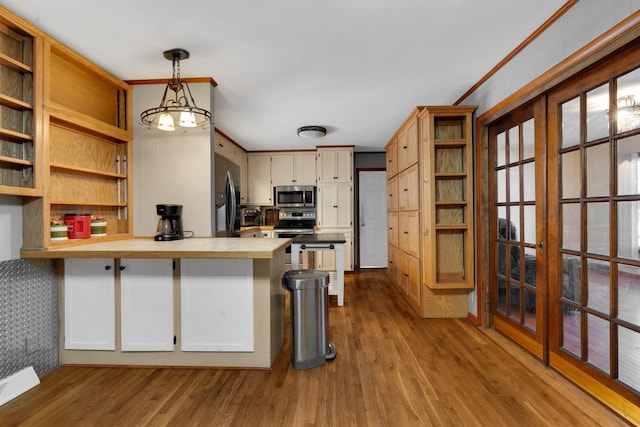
{"points": [[392, 369]]}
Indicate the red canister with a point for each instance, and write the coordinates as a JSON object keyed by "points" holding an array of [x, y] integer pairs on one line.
{"points": [[78, 225]]}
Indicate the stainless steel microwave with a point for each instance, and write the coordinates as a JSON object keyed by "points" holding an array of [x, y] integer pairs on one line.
{"points": [[295, 196]]}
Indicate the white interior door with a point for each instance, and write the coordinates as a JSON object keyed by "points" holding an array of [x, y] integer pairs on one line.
{"points": [[372, 218]]}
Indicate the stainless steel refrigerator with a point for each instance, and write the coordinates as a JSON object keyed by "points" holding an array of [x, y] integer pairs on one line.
{"points": [[227, 198]]}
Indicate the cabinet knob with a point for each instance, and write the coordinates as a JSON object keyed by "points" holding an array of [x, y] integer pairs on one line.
{"points": [[107, 267], [405, 232], [404, 147], [122, 267], [335, 206]]}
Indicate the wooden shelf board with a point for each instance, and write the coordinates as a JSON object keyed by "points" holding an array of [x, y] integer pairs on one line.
{"points": [[86, 171], [81, 203], [15, 136], [14, 64], [450, 142], [82, 121], [452, 227], [450, 175], [14, 103], [78, 242], [17, 162], [458, 203], [19, 191], [442, 285]]}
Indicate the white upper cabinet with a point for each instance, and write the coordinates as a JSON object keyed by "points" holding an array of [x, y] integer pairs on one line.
{"points": [[259, 188], [293, 169], [335, 165]]}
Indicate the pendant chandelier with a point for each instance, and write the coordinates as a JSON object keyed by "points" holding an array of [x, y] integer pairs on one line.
{"points": [[178, 106]]}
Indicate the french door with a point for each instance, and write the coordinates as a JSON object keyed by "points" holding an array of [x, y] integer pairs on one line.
{"points": [[594, 135], [563, 200], [517, 227]]}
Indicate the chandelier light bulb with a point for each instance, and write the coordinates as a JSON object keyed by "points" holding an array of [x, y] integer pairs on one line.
{"points": [[188, 119], [165, 122]]}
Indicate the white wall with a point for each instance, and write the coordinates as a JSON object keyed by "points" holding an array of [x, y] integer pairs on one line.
{"points": [[171, 167], [10, 227], [583, 23]]}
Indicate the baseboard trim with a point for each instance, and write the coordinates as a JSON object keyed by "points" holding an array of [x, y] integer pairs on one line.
{"points": [[16, 384]]}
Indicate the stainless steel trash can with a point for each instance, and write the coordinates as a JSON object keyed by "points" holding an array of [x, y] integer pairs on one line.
{"points": [[310, 346]]}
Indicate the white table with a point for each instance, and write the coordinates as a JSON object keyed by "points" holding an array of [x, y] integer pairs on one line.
{"points": [[323, 242]]}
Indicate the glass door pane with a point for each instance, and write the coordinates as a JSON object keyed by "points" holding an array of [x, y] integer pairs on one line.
{"points": [[515, 250], [596, 288]]}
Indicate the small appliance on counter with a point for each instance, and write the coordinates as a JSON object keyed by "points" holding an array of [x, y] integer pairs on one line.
{"points": [[250, 217], [170, 223]]}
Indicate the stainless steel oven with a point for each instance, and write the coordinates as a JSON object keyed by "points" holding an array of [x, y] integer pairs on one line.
{"points": [[293, 222], [295, 196]]}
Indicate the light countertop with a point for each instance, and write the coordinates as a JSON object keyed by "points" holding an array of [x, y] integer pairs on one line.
{"points": [[197, 247]]}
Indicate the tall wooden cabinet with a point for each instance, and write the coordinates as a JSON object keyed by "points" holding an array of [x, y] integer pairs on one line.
{"points": [[65, 137], [430, 219]]}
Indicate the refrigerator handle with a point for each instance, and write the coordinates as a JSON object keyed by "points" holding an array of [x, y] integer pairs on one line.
{"points": [[230, 205]]}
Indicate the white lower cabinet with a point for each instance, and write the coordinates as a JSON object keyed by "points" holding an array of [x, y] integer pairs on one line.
{"points": [[217, 304], [146, 304], [89, 304]]}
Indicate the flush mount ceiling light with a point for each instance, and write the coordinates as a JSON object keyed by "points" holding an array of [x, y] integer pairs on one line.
{"points": [[312, 131], [180, 105]]}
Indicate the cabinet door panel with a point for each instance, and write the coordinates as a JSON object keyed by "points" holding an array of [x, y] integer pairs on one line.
{"points": [[392, 228], [260, 191], [305, 168], [408, 237], [147, 304], [89, 304], [282, 170], [208, 288]]}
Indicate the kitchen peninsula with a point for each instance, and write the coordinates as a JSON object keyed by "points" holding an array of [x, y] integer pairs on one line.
{"points": [[215, 302]]}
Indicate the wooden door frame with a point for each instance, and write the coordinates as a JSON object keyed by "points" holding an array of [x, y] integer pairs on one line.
{"points": [[356, 212]]}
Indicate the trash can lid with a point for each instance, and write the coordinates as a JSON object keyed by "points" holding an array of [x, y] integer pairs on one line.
{"points": [[305, 279]]}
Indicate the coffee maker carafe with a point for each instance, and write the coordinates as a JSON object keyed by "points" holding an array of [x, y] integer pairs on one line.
{"points": [[170, 222]]}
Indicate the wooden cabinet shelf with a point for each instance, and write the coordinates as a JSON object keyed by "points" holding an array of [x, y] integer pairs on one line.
{"points": [[14, 64], [18, 163], [82, 203], [86, 171], [15, 103]]}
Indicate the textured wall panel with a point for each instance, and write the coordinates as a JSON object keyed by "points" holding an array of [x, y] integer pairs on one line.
{"points": [[28, 316]]}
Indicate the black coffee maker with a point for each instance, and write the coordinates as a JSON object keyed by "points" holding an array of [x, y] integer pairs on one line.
{"points": [[170, 222]]}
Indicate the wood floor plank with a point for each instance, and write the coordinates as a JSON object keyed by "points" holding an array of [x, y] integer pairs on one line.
{"points": [[392, 369]]}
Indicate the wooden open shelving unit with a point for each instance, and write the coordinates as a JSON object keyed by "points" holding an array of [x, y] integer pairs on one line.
{"points": [[19, 106], [65, 135]]}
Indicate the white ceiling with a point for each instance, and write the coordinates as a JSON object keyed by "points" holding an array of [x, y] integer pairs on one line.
{"points": [[357, 67]]}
